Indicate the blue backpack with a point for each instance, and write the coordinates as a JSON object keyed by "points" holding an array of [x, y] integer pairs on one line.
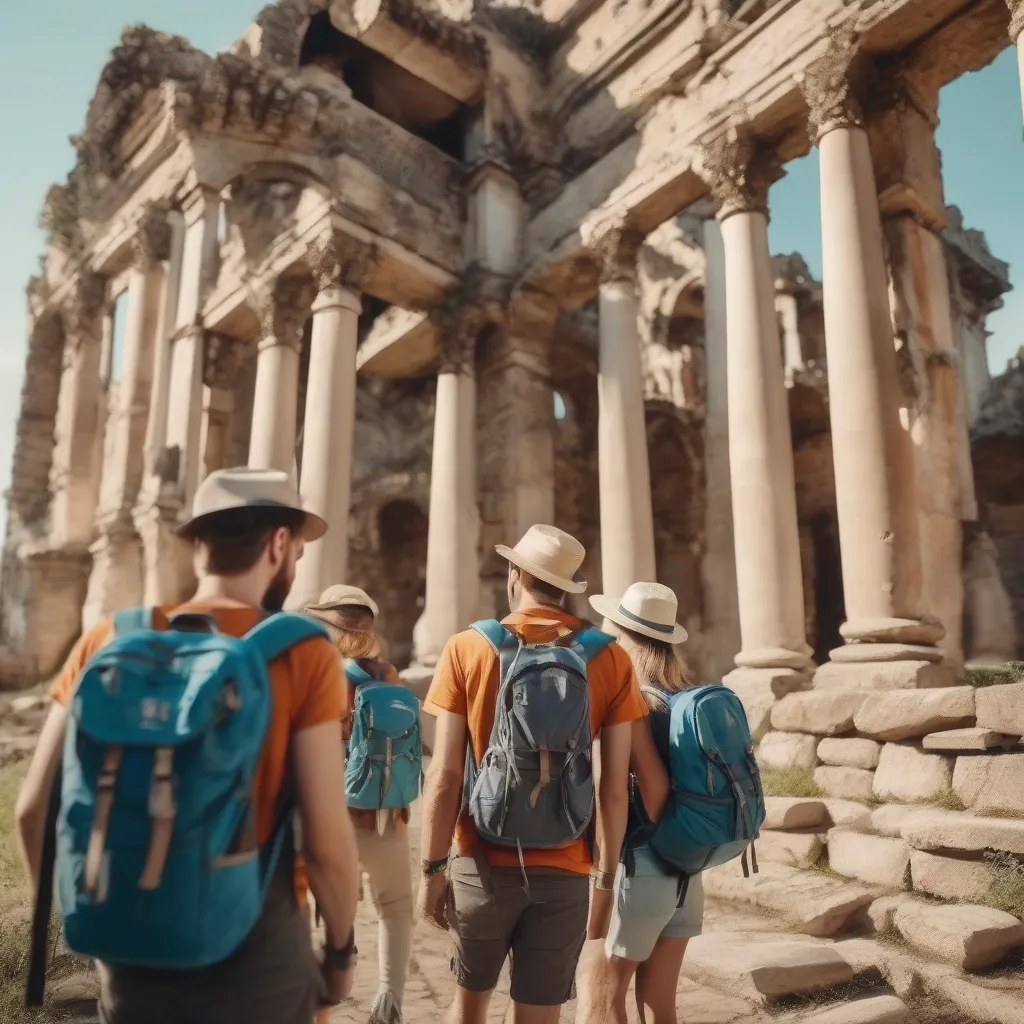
{"points": [[534, 786], [384, 767], [716, 805], [157, 859]]}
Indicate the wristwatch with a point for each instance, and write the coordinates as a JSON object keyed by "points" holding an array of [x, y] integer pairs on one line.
{"points": [[341, 959], [434, 867]]}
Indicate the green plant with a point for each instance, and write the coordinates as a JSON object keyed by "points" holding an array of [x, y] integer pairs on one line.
{"points": [[947, 800], [995, 675], [1007, 891], [792, 781]]}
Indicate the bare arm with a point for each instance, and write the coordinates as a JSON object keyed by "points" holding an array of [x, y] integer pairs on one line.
{"points": [[34, 797], [442, 798], [329, 840], [613, 793], [651, 776]]}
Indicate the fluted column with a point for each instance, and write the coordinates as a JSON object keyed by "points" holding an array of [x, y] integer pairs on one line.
{"points": [[328, 435], [774, 657], [452, 561], [874, 468], [627, 522]]}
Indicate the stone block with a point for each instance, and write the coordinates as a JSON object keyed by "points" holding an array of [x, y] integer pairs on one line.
{"points": [[845, 783], [890, 819], [950, 878], [873, 1010], [850, 813], [1001, 708], [788, 750], [969, 937], [905, 714], [882, 675], [955, 741], [810, 901], [822, 713], [796, 849], [972, 1002], [764, 968], [876, 860], [789, 812], [879, 914], [907, 773], [991, 782], [971, 833], [850, 752]]}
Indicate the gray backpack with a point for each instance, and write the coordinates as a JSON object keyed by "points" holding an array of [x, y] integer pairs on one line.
{"points": [[534, 786]]}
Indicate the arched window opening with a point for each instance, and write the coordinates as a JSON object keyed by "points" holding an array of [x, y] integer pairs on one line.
{"points": [[560, 408]]}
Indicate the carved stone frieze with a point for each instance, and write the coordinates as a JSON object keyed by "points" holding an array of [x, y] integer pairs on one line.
{"points": [[84, 304], [283, 307], [336, 258], [152, 241], [223, 359], [617, 250], [739, 171], [830, 86]]}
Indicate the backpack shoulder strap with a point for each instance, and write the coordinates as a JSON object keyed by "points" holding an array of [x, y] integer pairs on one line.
{"points": [[495, 634], [591, 642], [356, 674], [280, 632], [132, 620]]}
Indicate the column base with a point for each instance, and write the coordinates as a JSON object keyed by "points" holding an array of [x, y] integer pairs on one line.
{"points": [[884, 675], [116, 578], [760, 688], [926, 632]]}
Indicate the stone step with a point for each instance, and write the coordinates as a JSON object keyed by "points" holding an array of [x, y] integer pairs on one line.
{"points": [[950, 878], [957, 830], [906, 714], [968, 936], [876, 860], [955, 741], [764, 968], [849, 752], [788, 750], [797, 849], [873, 1010], [991, 782], [1001, 708], [787, 812], [812, 902], [890, 819], [822, 712], [851, 813], [845, 783], [908, 774]]}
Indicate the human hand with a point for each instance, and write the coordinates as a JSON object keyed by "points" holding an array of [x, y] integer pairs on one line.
{"points": [[600, 913], [339, 983], [433, 900]]}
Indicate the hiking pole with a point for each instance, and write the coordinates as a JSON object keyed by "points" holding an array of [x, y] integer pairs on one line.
{"points": [[36, 983]]}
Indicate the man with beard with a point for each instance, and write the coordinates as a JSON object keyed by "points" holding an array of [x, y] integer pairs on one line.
{"points": [[248, 530]]}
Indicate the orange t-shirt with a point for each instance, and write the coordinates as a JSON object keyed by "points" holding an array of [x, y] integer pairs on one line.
{"points": [[306, 690], [466, 683]]}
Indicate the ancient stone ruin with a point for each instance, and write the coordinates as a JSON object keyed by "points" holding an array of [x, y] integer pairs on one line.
{"points": [[465, 267]]}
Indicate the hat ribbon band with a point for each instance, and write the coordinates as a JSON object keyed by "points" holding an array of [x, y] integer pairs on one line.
{"points": [[646, 622]]}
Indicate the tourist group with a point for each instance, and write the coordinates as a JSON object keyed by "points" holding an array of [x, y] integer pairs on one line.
{"points": [[195, 808]]}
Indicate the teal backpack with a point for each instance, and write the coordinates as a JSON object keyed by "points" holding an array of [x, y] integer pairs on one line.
{"points": [[384, 767], [157, 859]]}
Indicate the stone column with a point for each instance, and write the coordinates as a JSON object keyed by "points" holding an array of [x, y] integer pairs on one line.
{"points": [[792, 347], [328, 435], [81, 415], [627, 522], [222, 368], [1017, 35], [890, 643], [452, 559], [117, 572], [283, 307], [722, 637], [774, 658]]}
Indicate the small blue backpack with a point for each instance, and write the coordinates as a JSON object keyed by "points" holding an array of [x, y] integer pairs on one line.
{"points": [[384, 767], [157, 859], [716, 805]]}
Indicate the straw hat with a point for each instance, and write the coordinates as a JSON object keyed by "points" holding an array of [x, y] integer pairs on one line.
{"points": [[227, 489], [646, 608], [551, 555], [341, 595]]}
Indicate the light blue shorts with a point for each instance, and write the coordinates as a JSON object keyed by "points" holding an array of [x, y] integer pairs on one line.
{"points": [[645, 909]]}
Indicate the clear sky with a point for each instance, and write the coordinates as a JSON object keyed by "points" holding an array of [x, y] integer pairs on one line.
{"points": [[51, 55]]}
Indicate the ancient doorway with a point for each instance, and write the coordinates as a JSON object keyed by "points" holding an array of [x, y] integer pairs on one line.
{"points": [[402, 531]]}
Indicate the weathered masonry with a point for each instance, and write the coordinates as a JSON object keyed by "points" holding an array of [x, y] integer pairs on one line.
{"points": [[464, 268]]}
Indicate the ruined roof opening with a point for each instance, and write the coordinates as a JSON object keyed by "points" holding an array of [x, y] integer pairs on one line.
{"points": [[386, 88], [373, 307]]}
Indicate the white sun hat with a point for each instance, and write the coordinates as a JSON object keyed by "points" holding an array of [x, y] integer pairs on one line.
{"points": [[551, 555], [646, 608]]}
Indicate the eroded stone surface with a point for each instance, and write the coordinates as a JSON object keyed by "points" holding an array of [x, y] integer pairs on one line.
{"points": [[823, 713], [788, 750], [907, 773], [950, 878], [875, 1010], [797, 849], [1001, 708], [904, 714], [851, 752], [784, 812], [952, 830], [991, 782], [845, 783], [876, 860], [954, 741], [851, 813], [968, 936], [890, 819]]}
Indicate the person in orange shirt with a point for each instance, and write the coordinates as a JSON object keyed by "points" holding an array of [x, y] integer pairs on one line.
{"points": [[248, 529], [532, 902]]}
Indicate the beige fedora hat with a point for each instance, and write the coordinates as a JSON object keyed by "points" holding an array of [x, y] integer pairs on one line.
{"points": [[341, 595], [550, 555], [646, 608], [227, 489]]}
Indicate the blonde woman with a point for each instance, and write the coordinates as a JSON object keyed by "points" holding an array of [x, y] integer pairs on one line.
{"points": [[654, 912], [349, 614]]}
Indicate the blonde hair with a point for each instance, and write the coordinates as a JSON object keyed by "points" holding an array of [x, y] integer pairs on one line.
{"points": [[346, 631], [656, 663]]}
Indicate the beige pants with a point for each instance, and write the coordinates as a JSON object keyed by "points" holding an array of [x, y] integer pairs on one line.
{"points": [[385, 863]]}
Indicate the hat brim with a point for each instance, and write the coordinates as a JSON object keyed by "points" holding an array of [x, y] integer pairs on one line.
{"points": [[313, 528], [611, 609], [577, 585], [324, 609]]}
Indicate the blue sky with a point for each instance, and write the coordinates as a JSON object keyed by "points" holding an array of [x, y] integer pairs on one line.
{"points": [[51, 55]]}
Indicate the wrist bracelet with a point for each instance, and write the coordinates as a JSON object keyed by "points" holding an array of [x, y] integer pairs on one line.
{"points": [[341, 959], [434, 867], [603, 880]]}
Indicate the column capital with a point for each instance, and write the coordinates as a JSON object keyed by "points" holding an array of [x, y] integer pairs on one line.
{"points": [[337, 296], [739, 171], [829, 87], [152, 241], [223, 359], [283, 306], [1016, 18], [335, 258], [457, 333], [194, 203], [617, 249], [85, 302]]}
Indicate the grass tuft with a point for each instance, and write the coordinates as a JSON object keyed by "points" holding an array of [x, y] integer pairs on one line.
{"points": [[995, 675], [1007, 891], [793, 781]]}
